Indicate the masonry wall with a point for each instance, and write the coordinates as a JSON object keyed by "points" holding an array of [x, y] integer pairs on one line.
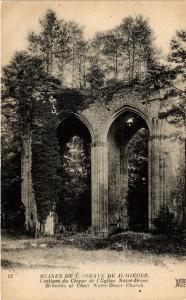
{"points": [[166, 159]]}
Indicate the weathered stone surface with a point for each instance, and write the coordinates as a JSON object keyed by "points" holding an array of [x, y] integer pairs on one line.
{"points": [[27, 193]]}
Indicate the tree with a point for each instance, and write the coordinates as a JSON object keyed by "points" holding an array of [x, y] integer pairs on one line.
{"points": [[27, 96], [95, 78], [172, 79], [19, 78], [137, 45], [112, 50], [62, 48], [125, 52], [82, 49], [74, 204], [96, 56], [10, 161], [77, 58], [178, 52], [44, 44], [138, 180], [165, 222]]}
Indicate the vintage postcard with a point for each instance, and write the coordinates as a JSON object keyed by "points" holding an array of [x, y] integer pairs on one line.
{"points": [[93, 103]]}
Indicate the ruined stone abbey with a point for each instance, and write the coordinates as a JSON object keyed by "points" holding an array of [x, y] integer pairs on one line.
{"points": [[108, 127]]}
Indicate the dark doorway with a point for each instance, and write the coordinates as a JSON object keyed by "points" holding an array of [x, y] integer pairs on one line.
{"points": [[138, 180], [128, 173], [74, 207]]}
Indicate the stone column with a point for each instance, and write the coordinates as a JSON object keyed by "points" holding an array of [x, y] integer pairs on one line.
{"points": [[49, 224], [27, 194], [99, 184], [124, 184], [155, 162], [150, 206]]}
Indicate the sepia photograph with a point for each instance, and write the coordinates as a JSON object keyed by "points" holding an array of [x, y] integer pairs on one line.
{"points": [[93, 102]]}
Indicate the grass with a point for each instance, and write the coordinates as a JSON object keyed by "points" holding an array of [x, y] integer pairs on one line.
{"points": [[159, 244], [73, 251]]}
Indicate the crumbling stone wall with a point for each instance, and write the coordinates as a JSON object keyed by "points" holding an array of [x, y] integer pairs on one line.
{"points": [[166, 157]]}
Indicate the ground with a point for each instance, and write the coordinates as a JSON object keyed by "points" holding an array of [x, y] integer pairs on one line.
{"points": [[26, 259]]}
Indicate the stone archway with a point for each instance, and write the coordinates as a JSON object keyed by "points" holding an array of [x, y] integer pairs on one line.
{"points": [[122, 203], [75, 138], [100, 172], [98, 118]]}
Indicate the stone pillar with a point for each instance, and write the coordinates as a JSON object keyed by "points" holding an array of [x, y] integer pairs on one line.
{"points": [[184, 196], [150, 225], [156, 173], [49, 224], [124, 185], [99, 183], [27, 194]]}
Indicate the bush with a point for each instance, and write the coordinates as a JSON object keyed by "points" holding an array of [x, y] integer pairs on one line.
{"points": [[165, 221]]}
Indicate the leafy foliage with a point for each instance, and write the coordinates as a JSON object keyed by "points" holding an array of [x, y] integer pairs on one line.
{"points": [[125, 52], [138, 180], [95, 78], [25, 80], [19, 78], [44, 44], [165, 221], [174, 104], [46, 161], [12, 212], [62, 48], [178, 52], [74, 204]]}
